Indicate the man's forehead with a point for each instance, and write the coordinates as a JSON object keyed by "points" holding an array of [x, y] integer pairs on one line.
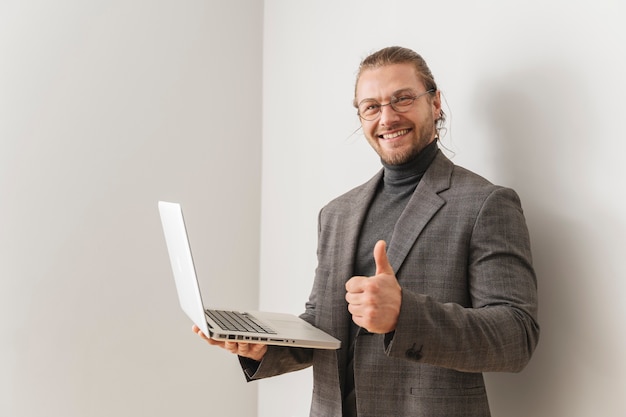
{"points": [[387, 80]]}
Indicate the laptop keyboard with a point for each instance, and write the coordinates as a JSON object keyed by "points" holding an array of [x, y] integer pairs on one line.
{"points": [[236, 321]]}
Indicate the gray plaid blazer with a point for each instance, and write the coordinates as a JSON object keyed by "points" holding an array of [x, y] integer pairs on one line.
{"points": [[461, 252]]}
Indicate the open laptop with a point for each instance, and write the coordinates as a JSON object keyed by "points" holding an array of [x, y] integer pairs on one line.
{"points": [[230, 325]]}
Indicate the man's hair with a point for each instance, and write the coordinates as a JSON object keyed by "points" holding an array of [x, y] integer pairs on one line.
{"points": [[399, 55]]}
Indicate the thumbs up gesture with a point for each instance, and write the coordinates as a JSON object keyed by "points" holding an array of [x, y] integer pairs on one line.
{"points": [[374, 302]]}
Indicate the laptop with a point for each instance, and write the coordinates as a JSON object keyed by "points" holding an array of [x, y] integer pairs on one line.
{"points": [[230, 325]]}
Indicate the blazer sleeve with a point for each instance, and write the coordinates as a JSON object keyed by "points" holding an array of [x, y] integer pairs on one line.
{"points": [[498, 329], [277, 361]]}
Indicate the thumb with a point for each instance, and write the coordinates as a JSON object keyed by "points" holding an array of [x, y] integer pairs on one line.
{"points": [[380, 258]]}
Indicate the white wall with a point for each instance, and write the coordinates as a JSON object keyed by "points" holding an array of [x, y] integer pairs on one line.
{"points": [[108, 106], [105, 108], [535, 93]]}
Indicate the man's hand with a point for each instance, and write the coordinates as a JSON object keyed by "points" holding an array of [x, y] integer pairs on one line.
{"points": [[374, 302], [254, 351]]}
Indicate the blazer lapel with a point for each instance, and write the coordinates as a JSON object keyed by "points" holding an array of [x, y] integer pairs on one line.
{"points": [[358, 208], [422, 206], [345, 248]]}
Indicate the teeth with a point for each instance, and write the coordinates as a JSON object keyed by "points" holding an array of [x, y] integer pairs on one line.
{"points": [[395, 134]]}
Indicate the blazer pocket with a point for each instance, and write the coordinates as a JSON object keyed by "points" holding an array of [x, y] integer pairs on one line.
{"points": [[449, 392]]}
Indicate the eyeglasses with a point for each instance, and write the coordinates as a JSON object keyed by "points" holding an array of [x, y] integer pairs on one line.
{"points": [[371, 109]]}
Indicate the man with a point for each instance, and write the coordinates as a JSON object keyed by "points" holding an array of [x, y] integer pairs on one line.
{"points": [[449, 291]]}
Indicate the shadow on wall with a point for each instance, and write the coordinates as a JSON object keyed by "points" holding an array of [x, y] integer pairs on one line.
{"points": [[544, 141]]}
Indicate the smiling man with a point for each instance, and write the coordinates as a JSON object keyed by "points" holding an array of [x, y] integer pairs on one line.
{"points": [[424, 272], [399, 130]]}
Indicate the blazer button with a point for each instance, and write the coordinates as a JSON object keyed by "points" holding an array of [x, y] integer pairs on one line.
{"points": [[413, 353]]}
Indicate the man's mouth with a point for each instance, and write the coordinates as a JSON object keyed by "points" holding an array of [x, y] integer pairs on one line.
{"points": [[394, 134]]}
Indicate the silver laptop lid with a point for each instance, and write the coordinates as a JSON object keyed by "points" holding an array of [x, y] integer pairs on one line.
{"points": [[182, 263]]}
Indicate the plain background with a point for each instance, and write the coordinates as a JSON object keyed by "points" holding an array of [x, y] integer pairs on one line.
{"points": [[534, 92], [241, 110], [107, 107]]}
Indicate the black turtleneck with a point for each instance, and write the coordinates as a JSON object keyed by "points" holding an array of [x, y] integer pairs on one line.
{"points": [[393, 194]]}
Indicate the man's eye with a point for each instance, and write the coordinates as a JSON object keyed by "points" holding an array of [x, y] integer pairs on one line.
{"points": [[369, 108], [404, 100]]}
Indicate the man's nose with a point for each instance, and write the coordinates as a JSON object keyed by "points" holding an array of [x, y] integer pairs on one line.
{"points": [[388, 115]]}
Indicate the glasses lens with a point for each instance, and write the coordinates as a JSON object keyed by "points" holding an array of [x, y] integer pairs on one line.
{"points": [[369, 109], [402, 103]]}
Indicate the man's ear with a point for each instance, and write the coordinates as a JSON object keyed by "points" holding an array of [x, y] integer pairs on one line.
{"points": [[437, 105]]}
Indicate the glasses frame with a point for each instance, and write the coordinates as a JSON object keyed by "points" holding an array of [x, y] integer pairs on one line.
{"points": [[392, 103]]}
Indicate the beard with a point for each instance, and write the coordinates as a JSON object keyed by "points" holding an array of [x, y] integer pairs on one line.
{"points": [[402, 154]]}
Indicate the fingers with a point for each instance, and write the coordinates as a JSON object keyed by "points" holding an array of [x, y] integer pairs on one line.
{"points": [[380, 257], [238, 348], [383, 267], [355, 284], [374, 302], [197, 331], [249, 350]]}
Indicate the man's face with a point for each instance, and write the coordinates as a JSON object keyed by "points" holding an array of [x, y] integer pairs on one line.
{"points": [[398, 137]]}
